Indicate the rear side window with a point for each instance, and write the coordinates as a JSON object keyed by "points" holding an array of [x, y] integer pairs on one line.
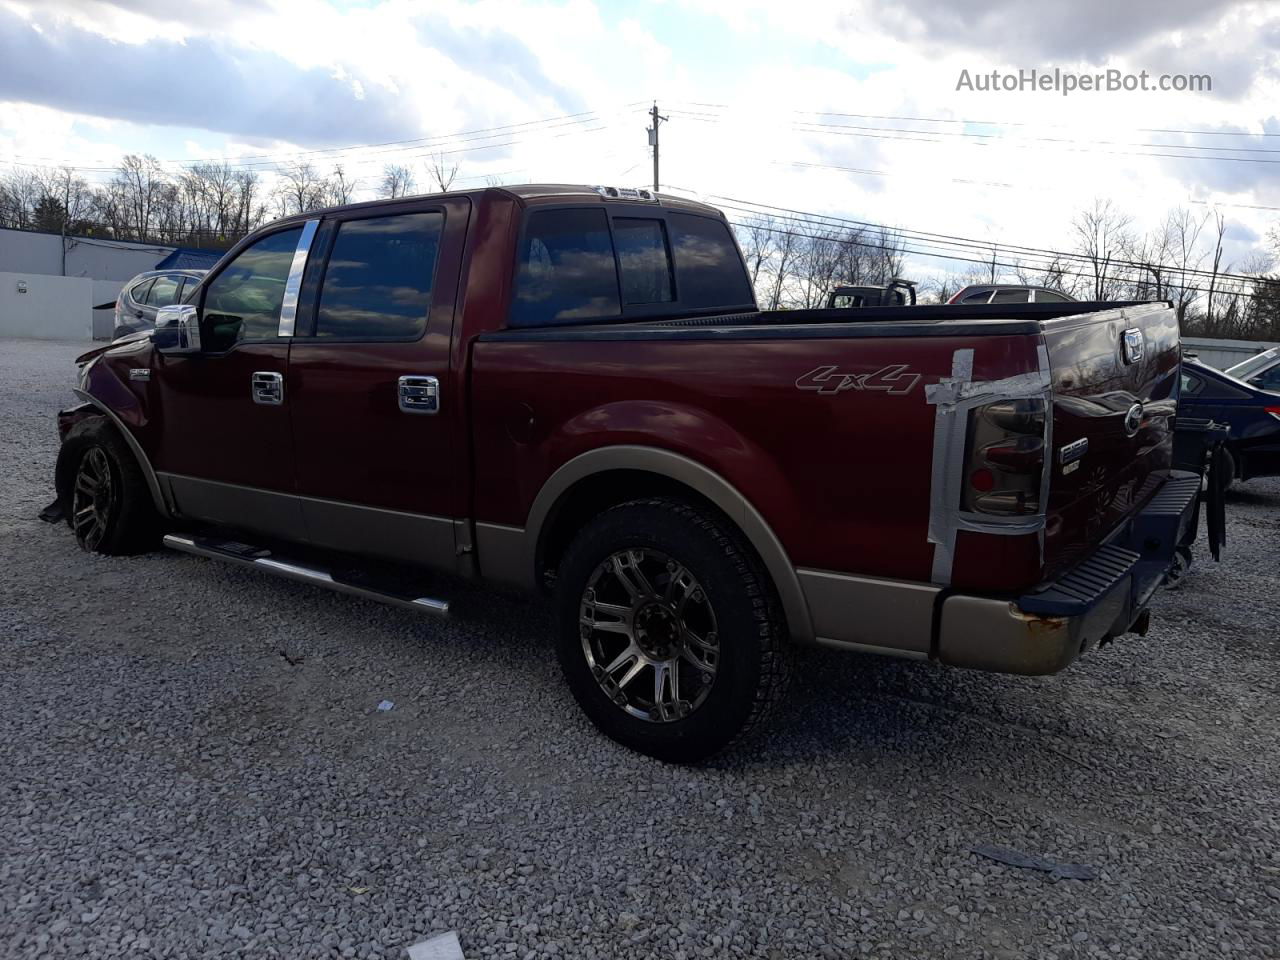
{"points": [[378, 280], [566, 269], [1019, 295], [709, 271], [163, 292], [643, 262], [1048, 296], [138, 294], [982, 296]]}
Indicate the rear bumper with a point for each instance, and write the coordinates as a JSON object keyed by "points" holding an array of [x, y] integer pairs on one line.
{"points": [[1104, 597]]}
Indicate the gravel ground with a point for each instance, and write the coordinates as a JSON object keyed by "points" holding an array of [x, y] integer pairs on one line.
{"points": [[191, 765]]}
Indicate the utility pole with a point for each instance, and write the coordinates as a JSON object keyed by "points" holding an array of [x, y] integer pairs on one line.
{"points": [[653, 141]]}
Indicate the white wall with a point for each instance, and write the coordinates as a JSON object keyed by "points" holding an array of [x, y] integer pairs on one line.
{"points": [[104, 321], [1223, 353], [106, 264], [22, 251], [53, 308]]}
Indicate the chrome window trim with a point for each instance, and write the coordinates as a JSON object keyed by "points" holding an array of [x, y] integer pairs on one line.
{"points": [[293, 284]]}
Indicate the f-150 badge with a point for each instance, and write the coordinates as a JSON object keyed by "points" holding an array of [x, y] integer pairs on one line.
{"points": [[894, 379]]}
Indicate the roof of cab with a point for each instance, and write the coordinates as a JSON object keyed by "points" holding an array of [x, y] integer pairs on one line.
{"points": [[528, 194]]}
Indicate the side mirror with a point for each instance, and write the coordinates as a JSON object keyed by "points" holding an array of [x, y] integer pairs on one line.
{"points": [[177, 329]]}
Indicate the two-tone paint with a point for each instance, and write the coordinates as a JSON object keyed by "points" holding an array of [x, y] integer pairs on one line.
{"points": [[813, 433]]}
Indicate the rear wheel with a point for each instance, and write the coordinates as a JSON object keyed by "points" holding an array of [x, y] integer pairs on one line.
{"points": [[670, 636], [109, 507]]}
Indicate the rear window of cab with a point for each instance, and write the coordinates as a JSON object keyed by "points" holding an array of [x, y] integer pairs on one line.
{"points": [[580, 265]]}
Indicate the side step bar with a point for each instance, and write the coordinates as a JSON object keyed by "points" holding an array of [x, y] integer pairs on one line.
{"points": [[261, 559]]}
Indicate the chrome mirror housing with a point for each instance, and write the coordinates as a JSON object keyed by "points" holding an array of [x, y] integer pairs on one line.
{"points": [[177, 329]]}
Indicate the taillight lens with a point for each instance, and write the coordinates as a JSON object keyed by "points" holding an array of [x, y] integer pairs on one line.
{"points": [[1004, 457], [1274, 411]]}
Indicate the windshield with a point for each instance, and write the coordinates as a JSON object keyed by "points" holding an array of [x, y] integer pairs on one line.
{"points": [[1256, 364]]}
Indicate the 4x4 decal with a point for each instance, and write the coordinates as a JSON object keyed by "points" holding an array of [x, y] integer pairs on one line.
{"points": [[895, 379]]}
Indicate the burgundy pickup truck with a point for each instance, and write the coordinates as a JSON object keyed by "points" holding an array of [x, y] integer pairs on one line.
{"points": [[572, 391]]}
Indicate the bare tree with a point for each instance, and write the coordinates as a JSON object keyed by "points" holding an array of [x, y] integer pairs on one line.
{"points": [[340, 187], [397, 180], [441, 172], [1220, 229], [299, 189], [1183, 230], [1102, 234]]}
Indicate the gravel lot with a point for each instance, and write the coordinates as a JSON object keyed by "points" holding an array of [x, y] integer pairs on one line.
{"points": [[191, 765]]}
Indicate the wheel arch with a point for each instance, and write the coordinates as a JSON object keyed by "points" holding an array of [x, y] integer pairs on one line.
{"points": [[598, 479], [144, 464]]}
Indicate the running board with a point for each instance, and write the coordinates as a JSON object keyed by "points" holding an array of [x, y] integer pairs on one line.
{"points": [[261, 559]]}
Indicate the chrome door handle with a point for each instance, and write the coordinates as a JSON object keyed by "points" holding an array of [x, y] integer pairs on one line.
{"points": [[268, 388], [419, 394]]}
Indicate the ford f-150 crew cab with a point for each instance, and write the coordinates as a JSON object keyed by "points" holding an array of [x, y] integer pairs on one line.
{"points": [[571, 390]]}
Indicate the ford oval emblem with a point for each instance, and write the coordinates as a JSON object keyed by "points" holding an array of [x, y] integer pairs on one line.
{"points": [[1133, 420]]}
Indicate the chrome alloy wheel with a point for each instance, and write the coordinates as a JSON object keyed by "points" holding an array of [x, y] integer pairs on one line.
{"points": [[649, 635], [93, 499]]}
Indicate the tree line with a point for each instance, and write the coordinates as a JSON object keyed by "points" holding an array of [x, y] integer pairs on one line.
{"points": [[794, 262]]}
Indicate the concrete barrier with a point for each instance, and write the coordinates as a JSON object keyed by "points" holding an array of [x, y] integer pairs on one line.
{"points": [[42, 307]]}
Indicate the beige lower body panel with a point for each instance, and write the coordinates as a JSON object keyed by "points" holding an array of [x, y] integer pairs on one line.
{"points": [[869, 613], [503, 553]]}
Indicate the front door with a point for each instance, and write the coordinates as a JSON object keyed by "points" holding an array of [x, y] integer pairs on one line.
{"points": [[374, 406], [226, 452]]}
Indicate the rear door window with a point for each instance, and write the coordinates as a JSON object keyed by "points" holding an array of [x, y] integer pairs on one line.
{"points": [[1019, 295], [709, 271], [982, 296], [566, 270], [163, 292], [1048, 296], [643, 262], [377, 284]]}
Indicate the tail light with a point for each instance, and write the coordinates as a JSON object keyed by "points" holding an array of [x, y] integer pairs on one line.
{"points": [[1004, 457], [1274, 411]]}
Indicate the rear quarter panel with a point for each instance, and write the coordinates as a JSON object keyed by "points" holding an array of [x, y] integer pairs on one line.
{"points": [[842, 478]]}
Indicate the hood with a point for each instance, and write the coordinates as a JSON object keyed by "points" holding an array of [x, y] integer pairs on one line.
{"points": [[128, 338]]}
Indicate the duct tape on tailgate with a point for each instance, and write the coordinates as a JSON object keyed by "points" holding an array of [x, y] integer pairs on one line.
{"points": [[953, 397]]}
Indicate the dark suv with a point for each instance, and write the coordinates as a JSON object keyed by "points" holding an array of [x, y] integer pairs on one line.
{"points": [[146, 293]]}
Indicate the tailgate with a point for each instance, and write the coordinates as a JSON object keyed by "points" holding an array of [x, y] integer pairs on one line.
{"points": [[1115, 389]]}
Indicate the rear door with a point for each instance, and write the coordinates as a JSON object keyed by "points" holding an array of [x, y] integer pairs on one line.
{"points": [[1115, 382], [374, 401]]}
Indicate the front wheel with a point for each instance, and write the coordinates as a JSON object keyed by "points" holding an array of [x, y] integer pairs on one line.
{"points": [[670, 635], [108, 505]]}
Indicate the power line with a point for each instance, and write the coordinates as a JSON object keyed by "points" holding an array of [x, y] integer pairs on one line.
{"points": [[1014, 123], [416, 143], [747, 206]]}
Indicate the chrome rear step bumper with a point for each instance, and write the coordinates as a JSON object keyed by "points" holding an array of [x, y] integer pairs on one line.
{"points": [[262, 559]]}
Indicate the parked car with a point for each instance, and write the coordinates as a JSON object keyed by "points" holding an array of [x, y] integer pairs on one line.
{"points": [[895, 293], [1253, 415], [146, 293], [573, 392], [1009, 293], [1261, 370]]}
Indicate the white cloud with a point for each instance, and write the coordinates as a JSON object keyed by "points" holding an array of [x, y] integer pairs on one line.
{"points": [[408, 71]]}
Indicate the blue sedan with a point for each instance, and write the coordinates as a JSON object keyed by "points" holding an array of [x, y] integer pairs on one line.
{"points": [[1252, 414]]}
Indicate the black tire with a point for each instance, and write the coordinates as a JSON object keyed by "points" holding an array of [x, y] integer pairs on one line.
{"points": [[714, 585], [98, 472]]}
